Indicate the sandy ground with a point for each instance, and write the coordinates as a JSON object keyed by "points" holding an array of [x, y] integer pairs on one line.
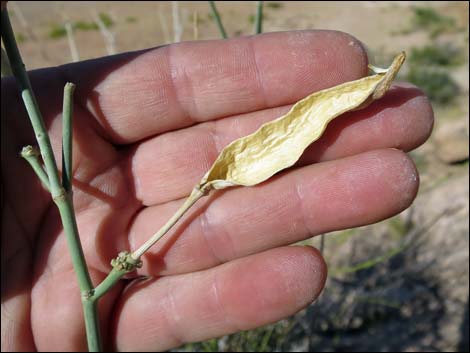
{"points": [[374, 23]]}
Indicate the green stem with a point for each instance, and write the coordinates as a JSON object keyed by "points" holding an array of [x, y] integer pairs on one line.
{"points": [[67, 121], [123, 264], [218, 20], [62, 199], [30, 103], [111, 279], [31, 155], [259, 17], [67, 214], [92, 325]]}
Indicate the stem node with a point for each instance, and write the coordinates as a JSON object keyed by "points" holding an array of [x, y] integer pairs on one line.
{"points": [[125, 262], [30, 151], [33, 157], [61, 196], [87, 294]]}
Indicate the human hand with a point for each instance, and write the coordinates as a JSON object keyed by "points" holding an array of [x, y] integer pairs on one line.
{"points": [[147, 126]]}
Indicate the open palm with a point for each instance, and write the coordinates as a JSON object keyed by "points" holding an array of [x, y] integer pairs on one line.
{"points": [[147, 126]]}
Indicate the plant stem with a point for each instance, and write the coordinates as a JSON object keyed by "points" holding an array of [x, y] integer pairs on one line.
{"points": [[111, 279], [218, 20], [259, 17], [126, 262], [31, 155], [67, 122], [62, 198], [65, 205], [92, 324], [123, 264], [196, 194], [322, 244], [30, 103]]}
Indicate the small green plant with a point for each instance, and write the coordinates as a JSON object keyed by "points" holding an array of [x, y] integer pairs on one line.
{"points": [[106, 19], [20, 37], [131, 19], [437, 84], [425, 16], [252, 18], [210, 345], [367, 264], [198, 19], [270, 338], [428, 19], [274, 5], [429, 70], [341, 237], [85, 26], [57, 31], [398, 227], [439, 55]]}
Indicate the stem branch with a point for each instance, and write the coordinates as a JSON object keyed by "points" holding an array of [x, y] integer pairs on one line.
{"points": [[61, 197], [31, 154], [111, 279], [30, 103], [67, 121], [123, 264]]}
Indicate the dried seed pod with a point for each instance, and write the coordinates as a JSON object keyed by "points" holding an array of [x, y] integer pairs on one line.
{"points": [[278, 144]]}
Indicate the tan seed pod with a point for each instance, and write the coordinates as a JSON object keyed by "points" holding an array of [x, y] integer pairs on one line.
{"points": [[278, 144]]}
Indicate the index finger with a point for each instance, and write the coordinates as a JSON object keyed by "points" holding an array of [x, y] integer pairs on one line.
{"points": [[137, 95]]}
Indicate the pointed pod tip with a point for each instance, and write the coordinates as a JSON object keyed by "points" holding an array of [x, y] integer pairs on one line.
{"points": [[390, 75], [398, 62]]}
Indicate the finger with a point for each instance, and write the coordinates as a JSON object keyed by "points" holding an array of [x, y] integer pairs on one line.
{"points": [[168, 166], [137, 95], [297, 205], [240, 295]]}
